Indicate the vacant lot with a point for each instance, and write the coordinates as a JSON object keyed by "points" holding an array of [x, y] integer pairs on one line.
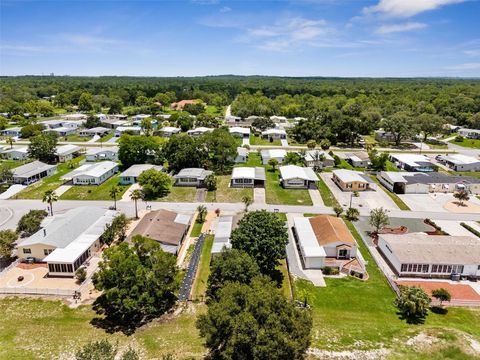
{"points": [[38, 329], [180, 194], [258, 140], [203, 271], [351, 314], [326, 194], [95, 192], [226, 194], [11, 164], [470, 143], [36, 190]]}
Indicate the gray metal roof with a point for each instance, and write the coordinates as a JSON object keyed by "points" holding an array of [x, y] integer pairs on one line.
{"points": [[65, 228], [31, 169], [137, 169], [196, 173]]}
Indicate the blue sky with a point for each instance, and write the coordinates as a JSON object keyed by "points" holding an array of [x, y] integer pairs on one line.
{"points": [[210, 37]]}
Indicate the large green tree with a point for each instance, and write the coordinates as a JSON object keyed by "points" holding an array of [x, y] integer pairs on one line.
{"points": [[263, 236], [255, 322], [413, 303], [220, 147], [31, 222], [182, 151], [154, 184], [137, 281], [230, 265], [7, 241], [43, 147], [137, 149]]}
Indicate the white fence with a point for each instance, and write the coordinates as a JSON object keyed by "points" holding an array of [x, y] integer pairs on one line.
{"points": [[9, 267]]}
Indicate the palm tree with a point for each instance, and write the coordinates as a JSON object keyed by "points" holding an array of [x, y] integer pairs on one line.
{"points": [[461, 196], [202, 212], [113, 194], [10, 141], [136, 195], [49, 197], [318, 158], [247, 200]]}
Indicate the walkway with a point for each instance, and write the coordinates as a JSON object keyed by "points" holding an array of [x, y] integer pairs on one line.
{"points": [[316, 197], [200, 195], [12, 190], [284, 142], [126, 194], [259, 196], [94, 139], [62, 189], [186, 287], [246, 141]]}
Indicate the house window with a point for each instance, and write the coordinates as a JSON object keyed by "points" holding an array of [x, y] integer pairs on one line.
{"points": [[404, 268], [47, 251], [27, 251], [342, 253]]}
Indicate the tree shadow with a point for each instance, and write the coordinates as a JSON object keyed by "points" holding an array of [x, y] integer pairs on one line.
{"points": [[412, 319], [277, 277], [439, 310], [112, 325]]}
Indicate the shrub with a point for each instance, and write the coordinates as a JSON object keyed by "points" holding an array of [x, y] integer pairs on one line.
{"points": [[81, 275]]}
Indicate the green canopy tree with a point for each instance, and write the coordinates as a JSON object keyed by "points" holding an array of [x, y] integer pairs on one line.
{"points": [[138, 283], [442, 295], [31, 222], [255, 322], [43, 147], [7, 242], [137, 149], [379, 218], [263, 236], [413, 303], [154, 184]]}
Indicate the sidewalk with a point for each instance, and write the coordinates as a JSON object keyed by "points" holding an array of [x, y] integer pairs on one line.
{"points": [[259, 196], [316, 197]]}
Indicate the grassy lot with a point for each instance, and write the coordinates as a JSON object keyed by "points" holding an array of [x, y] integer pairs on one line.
{"points": [[286, 284], [276, 194], [197, 229], [39, 329], [75, 138], [224, 193], [36, 190], [353, 314], [215, 110], [258, 140], [401, 205], [470, 143], [238, 141], [326, 194], [391, 166], [11, 164], [106, 137], [466, 173], [95, 192], [200, 285], [180, 194], [254, 159]]}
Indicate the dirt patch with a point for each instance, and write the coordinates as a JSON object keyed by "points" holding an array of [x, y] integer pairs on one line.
{"points": [[458, 291], [467, 207], [374, 354]]}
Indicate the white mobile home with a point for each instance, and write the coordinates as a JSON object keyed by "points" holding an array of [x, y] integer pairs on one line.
{"points": [[106, 153], [32, 172], [277, 154], [130, 176], [296, 177], [92, 174]]}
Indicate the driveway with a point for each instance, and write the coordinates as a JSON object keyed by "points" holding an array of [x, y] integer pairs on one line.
{"points": [[126, 194], [433, 202], [12, 190], [246, 141], [454, 228], [62, 189], [259, 195], [316, 197], [367, 200], [284, 142]]}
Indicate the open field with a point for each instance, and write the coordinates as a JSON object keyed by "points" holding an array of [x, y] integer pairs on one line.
{"points": [[276, 194], [258, 140], [200, 285], [39, 329], [352, 314], [180, 194], [36, 190], [225, 193], [75, 138], [95, 192]]}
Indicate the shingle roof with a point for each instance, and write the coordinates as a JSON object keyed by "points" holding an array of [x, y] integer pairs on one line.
{"points": [[329, 229]]}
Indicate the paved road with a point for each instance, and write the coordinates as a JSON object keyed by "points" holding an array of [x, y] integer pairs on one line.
{"points": [[186, 288]]}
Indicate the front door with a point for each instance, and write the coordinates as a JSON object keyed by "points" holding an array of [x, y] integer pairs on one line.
{"points": [[342, 253]]}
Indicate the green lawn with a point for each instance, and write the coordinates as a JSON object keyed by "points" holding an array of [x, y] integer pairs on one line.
{"points": [[258, 140], [254, 159], [11, 164], [106, 137], [40, 329], [286, 283], [326, 194], [276, 194], [95, 192], [215, 110], [391, 166], [200, 285], [226, 194], [36, 190], [399, 202], [352, 314], [470, 143], [75, 138], [197, 229], [180, 194]]}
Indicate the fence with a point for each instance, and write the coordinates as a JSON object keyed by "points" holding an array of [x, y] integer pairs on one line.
{"points": [[9, 267], [36, 291]]}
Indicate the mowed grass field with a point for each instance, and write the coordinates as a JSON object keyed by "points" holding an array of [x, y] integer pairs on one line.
{"points": [[95, 192], [36, 190], [352, 314], [40, 329], [180, 194], [470, 143], [227, 194]]}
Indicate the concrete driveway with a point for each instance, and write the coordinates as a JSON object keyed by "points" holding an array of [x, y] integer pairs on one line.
{"points": [[433, 202], [367, 200]]}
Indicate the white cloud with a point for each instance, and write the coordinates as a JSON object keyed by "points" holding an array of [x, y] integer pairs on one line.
{"points": [[395, 28], [466, 66], [406, 8], [225, 9]]}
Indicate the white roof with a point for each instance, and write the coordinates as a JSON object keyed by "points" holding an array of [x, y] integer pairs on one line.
{"points": [[137, 169], [240, 130], [307, 239], [349, 176], [273, 153], [142, 116], [93, 170], [200, 129], [254, 173], [460, 159], [127, 128], [95, 129], [170, 129], [20, 149], [99, 150], [275, 117], [67, 149], [222, 233], [311, 155], [411, 159], [274, 131], [242, 151], [296, 172], [396, 176], [31, 169]]}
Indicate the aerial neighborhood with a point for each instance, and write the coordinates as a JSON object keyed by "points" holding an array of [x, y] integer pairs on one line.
{"points": [[174, 212]]}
